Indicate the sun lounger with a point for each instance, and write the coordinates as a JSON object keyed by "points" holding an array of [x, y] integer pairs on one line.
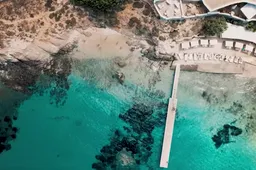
{"points": [[214, 56], [240, 60], [205, 56], [185, 56], [199, 56], [190, 57], [176, 5], [235, 60], [195, 56], [179, 56], [232, 59], [210, 56], [217, 56], [177, 11]]}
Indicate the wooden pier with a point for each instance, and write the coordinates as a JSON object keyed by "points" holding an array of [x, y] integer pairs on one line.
{"points": [[170, 119]]}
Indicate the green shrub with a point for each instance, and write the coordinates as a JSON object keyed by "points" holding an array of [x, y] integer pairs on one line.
{"points": [[251, 26], [102, 5], [214, 26]]}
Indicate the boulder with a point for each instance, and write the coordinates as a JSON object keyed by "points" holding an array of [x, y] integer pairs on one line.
{"points": [[120, 77], [120, 62], [125, 161]]}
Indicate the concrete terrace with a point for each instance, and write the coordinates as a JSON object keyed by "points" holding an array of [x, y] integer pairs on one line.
{"points": [[173, 9], [213, 5]]}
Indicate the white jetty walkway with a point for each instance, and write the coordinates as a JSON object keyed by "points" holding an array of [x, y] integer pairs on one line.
{"points": [[170, 119]]}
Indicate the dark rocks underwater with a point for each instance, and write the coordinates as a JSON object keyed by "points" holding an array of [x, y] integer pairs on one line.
{"points": [[135, 138], [19, 80], [223, 135]]}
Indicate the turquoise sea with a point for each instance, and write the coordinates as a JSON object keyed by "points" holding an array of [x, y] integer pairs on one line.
{"points": [[70, 136]]}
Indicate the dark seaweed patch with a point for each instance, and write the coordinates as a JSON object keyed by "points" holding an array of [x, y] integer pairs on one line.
{"points": [[235, 108], [135, 138], [19, 81], [223, 135]]}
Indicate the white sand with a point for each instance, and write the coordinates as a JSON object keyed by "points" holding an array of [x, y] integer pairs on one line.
{"points": [[102, 43]]}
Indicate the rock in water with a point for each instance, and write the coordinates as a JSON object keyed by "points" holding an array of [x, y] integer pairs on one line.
{"points": [[235, 131], [120, 77], [120, 62], [125, 161], [223, 135]]}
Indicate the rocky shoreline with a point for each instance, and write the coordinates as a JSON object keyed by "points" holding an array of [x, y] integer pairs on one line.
{"points": [[21, 79]]}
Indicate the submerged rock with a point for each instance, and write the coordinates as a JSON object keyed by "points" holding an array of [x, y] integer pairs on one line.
{"points": [[125, 161], [223, 135], [120, 62], [120, 77], [132, 145], [22, 78], [235, 131]]}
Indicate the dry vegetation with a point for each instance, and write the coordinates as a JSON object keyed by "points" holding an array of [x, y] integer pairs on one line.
{"points": [[142, 19], [28, 19]]}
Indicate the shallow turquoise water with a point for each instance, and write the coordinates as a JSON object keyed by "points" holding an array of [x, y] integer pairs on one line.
{"points": [[70, 136]]}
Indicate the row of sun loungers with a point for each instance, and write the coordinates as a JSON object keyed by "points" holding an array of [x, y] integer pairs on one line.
{"points": [[208, 56], [239, 46], [197, 43]]}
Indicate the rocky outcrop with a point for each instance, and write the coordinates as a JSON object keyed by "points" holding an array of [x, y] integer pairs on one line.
{"points": [[120, 77], [125, 161], [120, 62], [152, 54]]}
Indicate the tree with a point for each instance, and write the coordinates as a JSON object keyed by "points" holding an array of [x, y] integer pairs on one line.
{"points": [[214, 26], [102, 5], [251, 26]]}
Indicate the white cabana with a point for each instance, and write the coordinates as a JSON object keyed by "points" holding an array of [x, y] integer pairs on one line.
{"points": [[229, 44], [249, 48], [194, 43], [213, 42], [239, 33], [239, 45], [204, 43], [185, 45]]}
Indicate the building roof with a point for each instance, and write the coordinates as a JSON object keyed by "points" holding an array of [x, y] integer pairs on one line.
{"points": [[249, 10], [239, 33], [214, 5]]}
